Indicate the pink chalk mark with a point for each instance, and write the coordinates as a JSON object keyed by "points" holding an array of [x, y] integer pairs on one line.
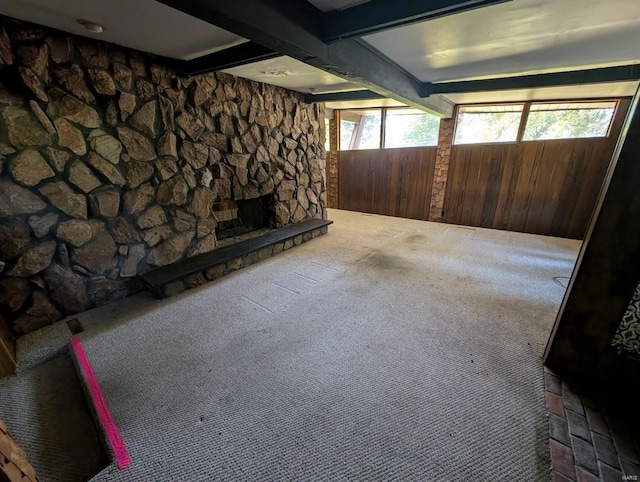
{"points": [[113, 435]]}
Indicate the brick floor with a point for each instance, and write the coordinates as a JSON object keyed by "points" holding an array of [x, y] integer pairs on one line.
{"points": [[554, 404], [590, 441]]}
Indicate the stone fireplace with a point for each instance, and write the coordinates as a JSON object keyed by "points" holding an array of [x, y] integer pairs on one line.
{"points": [[241, 219], [111, 165]]}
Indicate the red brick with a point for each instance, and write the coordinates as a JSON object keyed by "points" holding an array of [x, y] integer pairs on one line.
{"points": [[578, 425], [584, 455], [597, 422], [609, 474], [562, 459], [554, 404], [606, 450], [585, 476], [559, 430], [558, 477], [629, 468], [552, 384], [572, 400]]}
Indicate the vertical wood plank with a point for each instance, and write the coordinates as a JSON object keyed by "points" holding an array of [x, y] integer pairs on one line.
{"points": [[393, 182], [7, 350], [541, 187]]}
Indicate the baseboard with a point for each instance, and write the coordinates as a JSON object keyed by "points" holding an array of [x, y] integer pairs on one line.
{"points": [[7, 351]]}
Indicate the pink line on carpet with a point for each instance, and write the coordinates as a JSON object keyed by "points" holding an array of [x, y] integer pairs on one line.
{"points": [[113, 435]]}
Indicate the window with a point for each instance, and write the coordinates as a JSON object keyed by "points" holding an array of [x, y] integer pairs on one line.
{"points": [[533, 121], [403, 127], [360, 129], [327, 135], [399, 127], [488, 123], [410, 128], [569, 120]]}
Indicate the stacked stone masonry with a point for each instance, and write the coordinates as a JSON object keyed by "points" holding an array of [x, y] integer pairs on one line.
{"points": [[110, 164], [332, 165], [590, 440], [445, 140]]}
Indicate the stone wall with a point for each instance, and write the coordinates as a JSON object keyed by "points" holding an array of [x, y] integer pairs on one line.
{"points": [[445, 141], [332, 165], [110, 164]]}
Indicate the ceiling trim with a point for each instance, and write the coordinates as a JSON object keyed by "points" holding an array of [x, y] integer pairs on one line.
{"points": [[575, 77], [235, 56], [379, 15], [269, 24], [256, 20], [343, 96]]}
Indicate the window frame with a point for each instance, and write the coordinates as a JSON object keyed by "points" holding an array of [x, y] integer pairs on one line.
{"points": [[569, 101], [338, 114], [524, 117], [384, 131], [525, 109], [383, 127]]}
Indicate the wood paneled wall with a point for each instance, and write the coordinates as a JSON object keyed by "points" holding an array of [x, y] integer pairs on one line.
{"points": [[541, 187], [394, 182], [602, 284], [7, 350]]}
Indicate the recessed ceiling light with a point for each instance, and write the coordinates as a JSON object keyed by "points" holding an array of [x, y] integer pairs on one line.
{"points": [[91, 26], [275, 73], [314, 89]]}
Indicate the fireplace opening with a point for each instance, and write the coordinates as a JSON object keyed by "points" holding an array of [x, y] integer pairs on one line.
{"points": [[239, 218]]}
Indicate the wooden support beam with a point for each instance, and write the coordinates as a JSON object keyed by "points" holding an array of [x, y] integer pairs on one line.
{"points": [[574, 77], [379, 15], [343, 96], [270, 24], [242, 54]]}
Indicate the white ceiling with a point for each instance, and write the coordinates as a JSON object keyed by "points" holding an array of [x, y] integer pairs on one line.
{"points": [[517, 37], [296, 76], [514, 38], [144, 25]]}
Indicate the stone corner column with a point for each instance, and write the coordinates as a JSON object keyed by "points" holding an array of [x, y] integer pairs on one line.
{"points": [[332, 165], [445, 141]]}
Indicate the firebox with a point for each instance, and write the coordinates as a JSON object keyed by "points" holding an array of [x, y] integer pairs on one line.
{"points": [[236, 218]]}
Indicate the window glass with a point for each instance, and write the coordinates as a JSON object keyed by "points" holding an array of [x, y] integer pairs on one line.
{"points": [[488, 123], [567, 120], [346, 132], [360, 129], [410, 127], [327, 138]]}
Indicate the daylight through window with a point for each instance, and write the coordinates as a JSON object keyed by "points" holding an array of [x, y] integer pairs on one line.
{"points": [[403, 127], [360, 129], [410, 128], [327, 135], [569, 120], [533, 121], [488, 123]]}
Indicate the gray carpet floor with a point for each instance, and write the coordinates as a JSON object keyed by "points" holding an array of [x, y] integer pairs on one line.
{"points": [[389, 349], [46, 413]]}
